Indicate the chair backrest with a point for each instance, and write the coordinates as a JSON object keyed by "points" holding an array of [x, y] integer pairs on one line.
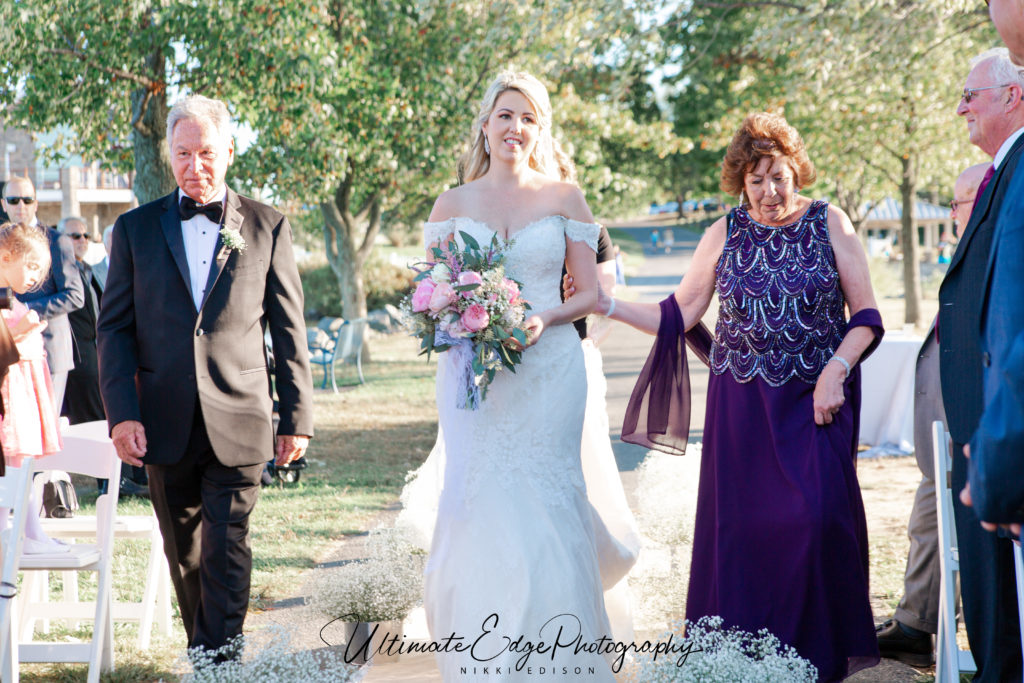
{"points": [[350, 343], [15, 490], [88, 450]]}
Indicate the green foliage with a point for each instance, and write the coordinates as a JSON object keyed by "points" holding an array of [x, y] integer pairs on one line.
{"points": [[359, 107], [386, 283], [867, 83], [715, 73]]}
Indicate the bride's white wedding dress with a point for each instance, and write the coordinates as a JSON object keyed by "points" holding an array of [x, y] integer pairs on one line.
{"points": [[514, 535]]}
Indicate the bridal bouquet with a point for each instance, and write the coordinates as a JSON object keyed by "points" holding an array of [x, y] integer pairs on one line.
{"points": [[463, 303]]}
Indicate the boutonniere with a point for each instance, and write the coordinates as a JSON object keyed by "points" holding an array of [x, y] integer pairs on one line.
{"points": [[232, 239]]}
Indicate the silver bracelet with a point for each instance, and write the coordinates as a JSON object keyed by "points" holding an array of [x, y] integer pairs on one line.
{"points": [[611, 309], [842, 361]]}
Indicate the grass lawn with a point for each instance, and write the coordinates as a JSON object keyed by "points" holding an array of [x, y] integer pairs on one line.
{"points": [[367, 437]]}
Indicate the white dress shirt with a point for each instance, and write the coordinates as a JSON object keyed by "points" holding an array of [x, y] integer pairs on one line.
{"points": [[1004, 149], [200, 236]]}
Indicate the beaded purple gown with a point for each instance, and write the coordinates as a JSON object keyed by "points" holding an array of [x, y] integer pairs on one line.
{"points": [[780, 539]]}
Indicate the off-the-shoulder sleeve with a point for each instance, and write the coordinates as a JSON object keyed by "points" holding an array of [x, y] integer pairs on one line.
{"points": [[579, 231], [433, 232]]}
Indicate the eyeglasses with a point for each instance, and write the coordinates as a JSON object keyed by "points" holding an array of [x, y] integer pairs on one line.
{"points": [[19, 200], [77, 235], [960, 202], [969, 93]]}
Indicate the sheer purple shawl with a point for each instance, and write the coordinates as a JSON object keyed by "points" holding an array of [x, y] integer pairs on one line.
{"points": [[658, 413]]}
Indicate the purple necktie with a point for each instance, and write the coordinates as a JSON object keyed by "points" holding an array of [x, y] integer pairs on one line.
{"points": [[984, 181]]}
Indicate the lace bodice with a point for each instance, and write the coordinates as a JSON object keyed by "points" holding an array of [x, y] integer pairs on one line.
{"points": [[536, 407], [535, 255], [515, 532]]}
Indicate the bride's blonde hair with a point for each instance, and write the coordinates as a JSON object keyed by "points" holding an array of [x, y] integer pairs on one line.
{"points": [[547, 156]]}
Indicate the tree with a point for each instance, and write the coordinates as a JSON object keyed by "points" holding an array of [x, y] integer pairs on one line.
{"points": [[358, 106], [382, 96], [868, 85], [884, 74], [713, 75]]}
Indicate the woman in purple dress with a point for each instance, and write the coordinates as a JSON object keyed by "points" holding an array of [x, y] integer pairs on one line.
{"points": [[780, 540]]}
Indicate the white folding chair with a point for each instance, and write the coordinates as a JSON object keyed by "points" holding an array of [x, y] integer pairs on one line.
{"points": [[950, 660], [15, 487], [155, 606], [87, 451]]}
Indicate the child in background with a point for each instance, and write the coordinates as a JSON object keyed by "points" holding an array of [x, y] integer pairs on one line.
{"points": [[30, 426]]}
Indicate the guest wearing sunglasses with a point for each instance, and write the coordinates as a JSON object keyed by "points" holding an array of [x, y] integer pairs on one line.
{"points": [[994, 113], [59, 294]]}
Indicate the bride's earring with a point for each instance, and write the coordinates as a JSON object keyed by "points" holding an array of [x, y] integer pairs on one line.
{"points": [[487, 146]]}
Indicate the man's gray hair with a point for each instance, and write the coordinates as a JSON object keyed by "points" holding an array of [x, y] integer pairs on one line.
{"points": [[63, 223], [107, 232], [1002, 68], [200, 108]]}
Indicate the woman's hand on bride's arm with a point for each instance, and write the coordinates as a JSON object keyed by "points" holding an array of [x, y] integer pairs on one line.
{"points": [[604, 299]]}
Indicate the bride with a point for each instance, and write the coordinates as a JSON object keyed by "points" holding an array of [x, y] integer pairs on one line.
{"points": [[513, 560]]}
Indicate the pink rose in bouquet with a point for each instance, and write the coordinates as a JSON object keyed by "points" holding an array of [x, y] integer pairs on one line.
{"points": [[442, 297], [455, 328], [469, 277], [475, 318], [511, 289], [421, 297], [481, 330]]}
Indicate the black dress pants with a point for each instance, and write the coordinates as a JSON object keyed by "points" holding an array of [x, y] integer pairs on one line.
{"points": [[988, 589], [203, 510]]}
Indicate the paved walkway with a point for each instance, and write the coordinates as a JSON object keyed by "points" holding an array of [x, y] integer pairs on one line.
{"points": [[624, 352]]}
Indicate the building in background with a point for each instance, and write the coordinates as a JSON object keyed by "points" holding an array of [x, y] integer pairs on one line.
{"points": [[74, 188]]}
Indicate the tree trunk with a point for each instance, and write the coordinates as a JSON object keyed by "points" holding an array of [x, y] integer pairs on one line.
{"points": [[153, 175], [911, 249], [345, 256]]}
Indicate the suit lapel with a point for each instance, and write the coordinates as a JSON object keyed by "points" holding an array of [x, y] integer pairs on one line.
{"points": [[170, 222], [1012, 160], [981, 210], [232, 221]]}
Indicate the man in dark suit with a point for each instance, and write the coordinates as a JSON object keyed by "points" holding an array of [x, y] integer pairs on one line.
{"points": [[987, 582], [195, 279], [908, 635], [59, 294], [82, 401], [997, 449]]}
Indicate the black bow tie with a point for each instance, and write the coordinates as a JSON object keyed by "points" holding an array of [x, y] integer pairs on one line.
{"points": [[189, 208]]}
